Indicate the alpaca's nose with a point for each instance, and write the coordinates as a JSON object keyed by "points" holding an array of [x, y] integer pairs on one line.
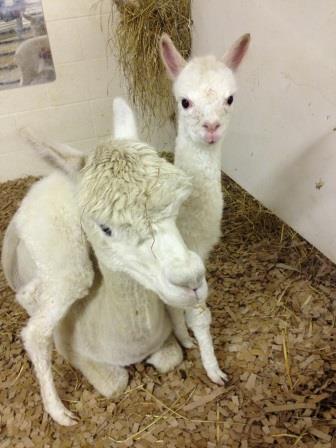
{"points": [[184, 280], [188, 274], [211, 127]]}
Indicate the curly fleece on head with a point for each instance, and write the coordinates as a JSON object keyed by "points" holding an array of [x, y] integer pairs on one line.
{"points": [[126, 183]]}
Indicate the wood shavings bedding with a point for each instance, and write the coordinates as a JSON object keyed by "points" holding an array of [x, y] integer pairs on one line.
{"points": [[272, 299]]}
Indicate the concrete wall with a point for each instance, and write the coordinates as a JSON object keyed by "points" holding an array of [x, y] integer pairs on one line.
{"points": [[281, 146]]}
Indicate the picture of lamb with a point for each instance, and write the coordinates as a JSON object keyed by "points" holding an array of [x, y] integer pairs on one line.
{"points": [[25, 53], [33, 56]]}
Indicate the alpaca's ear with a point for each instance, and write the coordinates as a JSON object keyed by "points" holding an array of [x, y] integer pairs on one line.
{"points": [[124, 123], [236, 53], [64, 157], [171, 57]]}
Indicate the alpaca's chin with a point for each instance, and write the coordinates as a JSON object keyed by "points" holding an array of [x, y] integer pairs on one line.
{"points": [[206, 140], [181, 297]]}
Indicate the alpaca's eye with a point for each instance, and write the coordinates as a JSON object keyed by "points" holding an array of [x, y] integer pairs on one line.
{"points": [[185, 103], [230, 100], [106, 230]]}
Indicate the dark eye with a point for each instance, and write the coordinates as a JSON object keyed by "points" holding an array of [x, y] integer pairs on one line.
{"points": [[230, 100], [185, 103], [106, 230]]}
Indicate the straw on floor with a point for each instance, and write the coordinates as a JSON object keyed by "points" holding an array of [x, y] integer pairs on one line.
{"points": [[273, 304]]}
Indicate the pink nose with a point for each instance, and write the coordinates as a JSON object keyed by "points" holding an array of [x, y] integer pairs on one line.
{"points": [[211, 127]]}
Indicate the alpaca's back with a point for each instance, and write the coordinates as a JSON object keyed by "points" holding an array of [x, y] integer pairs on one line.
{"points": [[8, 255], [45, 234]]}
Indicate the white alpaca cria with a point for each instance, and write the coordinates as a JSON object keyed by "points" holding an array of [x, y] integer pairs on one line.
{"points": [[204, 89], [122, 202]]}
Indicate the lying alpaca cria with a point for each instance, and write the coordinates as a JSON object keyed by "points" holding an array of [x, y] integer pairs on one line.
{"points": [[204, 89], [122, 202]]}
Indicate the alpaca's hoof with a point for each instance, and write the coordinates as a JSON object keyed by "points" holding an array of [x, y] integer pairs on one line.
{"points": [[217, 375], [62, 415]]}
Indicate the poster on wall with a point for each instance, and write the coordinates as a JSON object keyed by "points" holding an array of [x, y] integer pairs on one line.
{"points": [[25, 56]]}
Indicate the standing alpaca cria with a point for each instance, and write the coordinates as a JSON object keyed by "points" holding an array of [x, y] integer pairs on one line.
{"points": [[122, 202], [204, 89]]}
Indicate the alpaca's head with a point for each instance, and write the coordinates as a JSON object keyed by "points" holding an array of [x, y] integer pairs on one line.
{"points": [[204, 89], [128, 199], [37, 24]]}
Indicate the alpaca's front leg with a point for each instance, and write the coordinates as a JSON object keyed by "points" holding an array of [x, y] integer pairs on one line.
{"points": [[37, 338], [199, 320], [180, 328], [48, 305]]}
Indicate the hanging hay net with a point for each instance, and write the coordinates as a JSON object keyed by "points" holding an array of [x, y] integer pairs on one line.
{"points": [[134, 34]]}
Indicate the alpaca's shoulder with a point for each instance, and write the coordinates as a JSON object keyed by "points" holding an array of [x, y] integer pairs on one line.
{"points": [[48, 221], [49, 198]]}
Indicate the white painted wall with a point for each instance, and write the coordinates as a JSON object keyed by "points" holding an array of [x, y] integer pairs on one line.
{"points": [[77, 107], [282, 139]]}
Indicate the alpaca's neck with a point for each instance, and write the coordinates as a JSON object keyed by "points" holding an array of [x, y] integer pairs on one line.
{"points": [[198, 159], [113, 280], [122, 289], [200, 216], [119, 323], [125, 300]]}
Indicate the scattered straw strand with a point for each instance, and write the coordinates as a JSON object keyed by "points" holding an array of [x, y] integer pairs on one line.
{"points": [[286, 357]]}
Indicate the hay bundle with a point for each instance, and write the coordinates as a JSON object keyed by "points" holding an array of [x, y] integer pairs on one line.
{"points": [[135, 42]]}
